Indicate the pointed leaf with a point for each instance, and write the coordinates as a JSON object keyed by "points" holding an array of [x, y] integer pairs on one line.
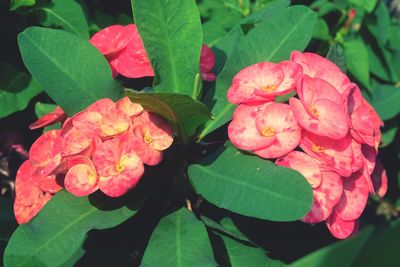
{"points": [[179, 240], [357, 61], [251, 186], [172, 35], [70, 70]]}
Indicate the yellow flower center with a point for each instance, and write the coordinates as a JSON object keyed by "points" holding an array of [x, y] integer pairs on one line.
{"points": [[147, 137], [314, 111], [317, 148], [91, 177], [120, 167], [268, 131], [269, 88]]}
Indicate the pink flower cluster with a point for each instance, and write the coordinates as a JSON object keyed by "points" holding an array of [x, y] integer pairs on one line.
{"points": [[102, 147], [125, 52], [329, 133]]}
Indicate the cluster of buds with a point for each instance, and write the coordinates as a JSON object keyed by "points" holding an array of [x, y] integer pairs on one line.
{"points": [[124, 50], [330, 133], [103, 147]]}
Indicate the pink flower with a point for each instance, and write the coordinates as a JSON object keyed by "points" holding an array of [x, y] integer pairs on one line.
{"points": [[263, 81], [379, 179], [207, 62], [118, 166], [339, 228], [150, 136], [321, 108], [51, 118], [81, 178], [269, 130]]}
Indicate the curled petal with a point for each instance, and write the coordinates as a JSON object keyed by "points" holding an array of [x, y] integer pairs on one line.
{"points": [[47, 183], [304, 164], [339, 228], [49, 119], [379, 179], [312, 63], [81, 180], [354, 197], [325, 198], [292, 72], [128, 107]]}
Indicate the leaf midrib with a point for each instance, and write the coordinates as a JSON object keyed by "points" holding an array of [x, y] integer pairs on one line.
{"points": [[240, 183], [228, 107], [56, 63]]}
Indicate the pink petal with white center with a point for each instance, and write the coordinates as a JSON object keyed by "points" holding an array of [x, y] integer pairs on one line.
{"points": [[88, 122], [379, 179], [49, 119], [354, 198], [148, 155], [102, 106], [154, 130], [312, 63], [112, 39], [130, 173], [207, 59], [333, 155], [128, 107], [242, 130], [325, 198], [304, 164], [75, 142], [358, 158], [114, 122], [337, 79], [292, 73], [81, 180], [339, 228], [263, 78]]}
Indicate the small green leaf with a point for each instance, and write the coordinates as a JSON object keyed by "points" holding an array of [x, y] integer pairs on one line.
{"points": [[20, 3], [321, 30], [16, 89], [184, 113], [336, 55], [356, 55], [385, 100], [67, 14], [172, 35], [251, 186], [71, 71], [58, 231], [179, 240], [285, 30]]}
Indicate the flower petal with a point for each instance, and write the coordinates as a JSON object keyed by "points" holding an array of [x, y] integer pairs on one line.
{"points": [[81, 180], [339, 228], [379, 179], [112, 39]]}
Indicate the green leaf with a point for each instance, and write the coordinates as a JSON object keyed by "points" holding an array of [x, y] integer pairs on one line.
{"points": [[225, 226], [389, 132], [371, 247], [71, 71], [20, 3], [67, 14], [273, 39], [367, 5], [58, 231], [394, 37], [336, 55], [182, 112], [16, 89], [377, 63], [356, 55], [385, 100], [179, 240], [242, 255], [251, 186], [379, 23], [172, 35], [321, 30]]}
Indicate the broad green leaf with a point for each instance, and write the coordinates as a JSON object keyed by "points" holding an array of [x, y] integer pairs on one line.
{"points": [[367, 5], [172, 35], [71, 71], [356, 55], [394, 37], [321, 30], [20, 3], [182, 112], [336, 55], [58, 231], [385, 100], [179, 240], [377, 64], [389, 133], [67, 14], [371, 247], [251, 186], [16, 90], [379, 22], [242, 255], [285, 30], [225, 226]]}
